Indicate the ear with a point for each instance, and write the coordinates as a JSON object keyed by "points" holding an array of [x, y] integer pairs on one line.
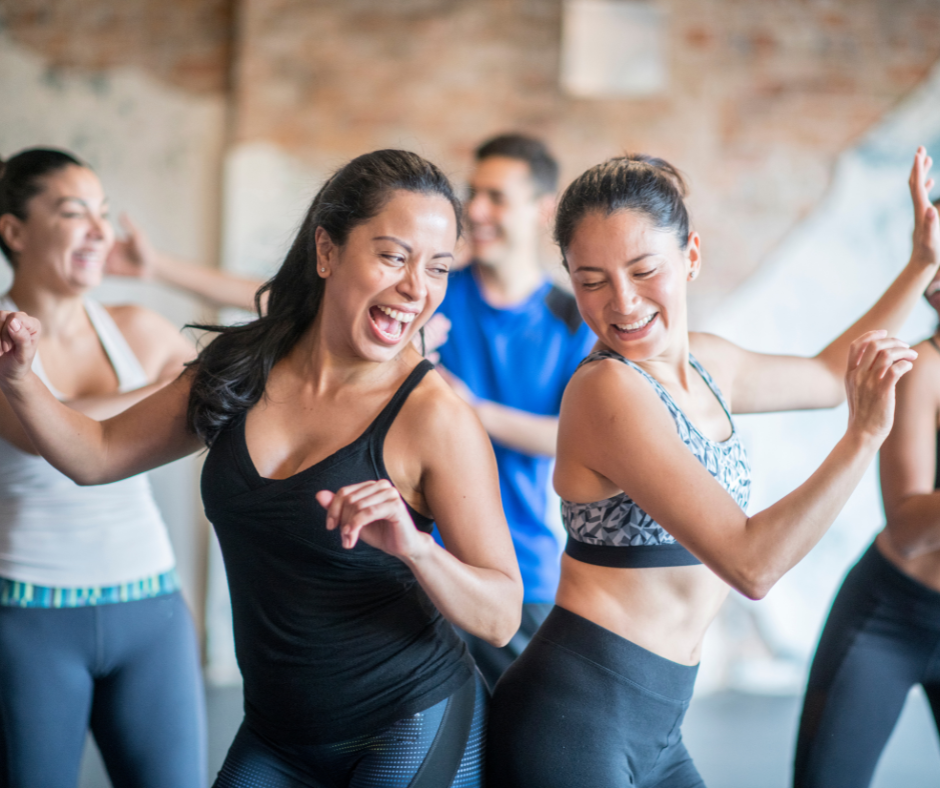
{"points": [[693, 255], [546, 210], [326, 252], [11, 229]]}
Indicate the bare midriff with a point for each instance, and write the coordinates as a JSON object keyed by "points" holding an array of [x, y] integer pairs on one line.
{"points": [[924, 568], [665, 610]]}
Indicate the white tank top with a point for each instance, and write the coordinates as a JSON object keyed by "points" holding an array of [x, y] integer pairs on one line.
{"points": [[54, 532]]}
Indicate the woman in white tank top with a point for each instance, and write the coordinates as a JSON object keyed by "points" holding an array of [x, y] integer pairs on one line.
{"points": [[92, 627]]}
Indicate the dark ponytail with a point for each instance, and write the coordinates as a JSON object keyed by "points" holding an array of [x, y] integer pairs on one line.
{"points": [[230, 373], [21, 180], [635, 182]]}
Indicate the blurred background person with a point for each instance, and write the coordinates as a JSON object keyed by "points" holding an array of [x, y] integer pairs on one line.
{"points": [[93, 630], [514, 340]]}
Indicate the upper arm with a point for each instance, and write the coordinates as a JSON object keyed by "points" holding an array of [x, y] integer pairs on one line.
{"points": [[615, 425], [459, 479], [149, 434], [159, 346], [763, 382], [908, 458]]}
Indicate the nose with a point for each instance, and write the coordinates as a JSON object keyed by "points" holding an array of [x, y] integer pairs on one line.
{"points": [[413, 285], [99, 227], [624, 298]]}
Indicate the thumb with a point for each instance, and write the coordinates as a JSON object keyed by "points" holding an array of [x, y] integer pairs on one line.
{"points": [[325, 498]]}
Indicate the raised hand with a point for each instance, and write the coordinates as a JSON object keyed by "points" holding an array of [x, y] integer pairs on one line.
{"points": [[130, 256], [926, 223], [374, 512], [876, 363], [19, 338]]}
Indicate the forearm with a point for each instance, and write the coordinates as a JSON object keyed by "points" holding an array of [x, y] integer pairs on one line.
{"points": [[69, 440], [525, 432], [888, 313], [778, 537], [217, 287], [914, 525], [484, 602]]}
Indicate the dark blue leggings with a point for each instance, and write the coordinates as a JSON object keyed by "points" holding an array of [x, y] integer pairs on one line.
{"points": [[882, 637], [129, 671], [585, 708], [390, 758]]}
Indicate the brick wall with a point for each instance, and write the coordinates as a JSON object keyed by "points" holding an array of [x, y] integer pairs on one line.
{"points": [[184, 42]]}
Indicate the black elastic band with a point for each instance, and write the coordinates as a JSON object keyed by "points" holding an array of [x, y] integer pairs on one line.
{"points": [[630, 556], [443, 759]]}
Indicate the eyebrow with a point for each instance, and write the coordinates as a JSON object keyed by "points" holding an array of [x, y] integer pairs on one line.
{"points": [[79, 200], [406, 247], [636, 259]]}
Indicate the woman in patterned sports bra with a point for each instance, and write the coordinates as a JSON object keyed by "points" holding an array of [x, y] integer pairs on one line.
{"points": [[654, 482]]}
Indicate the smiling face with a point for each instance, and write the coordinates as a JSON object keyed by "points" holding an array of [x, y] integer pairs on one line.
{"points": [[66, 236], [630, 280], [389, 277], [503, 210]]}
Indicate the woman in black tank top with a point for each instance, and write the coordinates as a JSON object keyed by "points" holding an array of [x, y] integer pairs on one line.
{"points": [[882, 635], [333, 448]]}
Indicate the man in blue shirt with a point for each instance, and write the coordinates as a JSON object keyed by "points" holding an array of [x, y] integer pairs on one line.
{"points": [[515, 339]]}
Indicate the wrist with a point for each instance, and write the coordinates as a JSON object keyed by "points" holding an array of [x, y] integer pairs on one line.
{"points": [[421, 548], [862, 440]]}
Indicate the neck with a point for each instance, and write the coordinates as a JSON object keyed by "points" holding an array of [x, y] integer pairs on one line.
{"points": [[59, 314], [510, 283], [325, 365]]}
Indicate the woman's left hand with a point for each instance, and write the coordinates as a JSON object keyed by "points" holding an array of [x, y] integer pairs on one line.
{"points": [[926, 224], [374, 512]]}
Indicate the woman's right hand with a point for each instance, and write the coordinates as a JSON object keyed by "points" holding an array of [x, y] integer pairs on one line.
{"points": [[19, 338], [876, 364], [926, 251]]}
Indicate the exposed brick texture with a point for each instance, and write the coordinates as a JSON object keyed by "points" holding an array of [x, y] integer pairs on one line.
{"points": [[763, 93], [184, 42]]}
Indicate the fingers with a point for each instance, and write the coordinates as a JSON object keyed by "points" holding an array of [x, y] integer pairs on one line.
{"points": [[858, 347], [877, 353], [887, 357], [16, 331], [354, 507]]}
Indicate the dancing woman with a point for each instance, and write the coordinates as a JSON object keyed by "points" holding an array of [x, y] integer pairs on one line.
{"points": [[883, 633], [333, 447], [93, 630], [654, 483]]}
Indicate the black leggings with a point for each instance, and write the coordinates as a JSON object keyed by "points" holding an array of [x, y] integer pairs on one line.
{"points": [[882, 637], [585, 708], [415, 751]]}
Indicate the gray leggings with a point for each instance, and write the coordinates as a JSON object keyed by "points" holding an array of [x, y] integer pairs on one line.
{"points": [[128, 671], [585, 707]]}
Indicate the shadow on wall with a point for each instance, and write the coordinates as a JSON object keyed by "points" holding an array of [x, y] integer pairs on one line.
{"points": [[824, 275]]}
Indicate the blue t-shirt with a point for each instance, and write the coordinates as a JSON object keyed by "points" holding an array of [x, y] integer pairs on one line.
{"points": [[521, 356]]}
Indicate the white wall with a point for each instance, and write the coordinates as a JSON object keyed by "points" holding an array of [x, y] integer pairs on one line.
{"points": [[824, 275]]}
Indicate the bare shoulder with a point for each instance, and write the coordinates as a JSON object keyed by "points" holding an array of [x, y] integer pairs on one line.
{"points": [[152, 338], [437, 415], [717, 354], [925, 373]]}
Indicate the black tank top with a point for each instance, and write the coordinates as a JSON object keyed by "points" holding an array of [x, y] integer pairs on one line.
{"points": [[332, 643]]}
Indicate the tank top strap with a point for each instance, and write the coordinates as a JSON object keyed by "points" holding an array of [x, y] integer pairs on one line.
{"points": [[710, 382], [127, 367], [383, 421]]}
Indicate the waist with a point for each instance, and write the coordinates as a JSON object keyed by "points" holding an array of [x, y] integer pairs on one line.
{"points": [[618, 654], [666, 610], [14, 593]]}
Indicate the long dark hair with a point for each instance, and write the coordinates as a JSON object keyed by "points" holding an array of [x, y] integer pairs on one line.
{"points": [[231, 372], [21, 180], [635, 182]]}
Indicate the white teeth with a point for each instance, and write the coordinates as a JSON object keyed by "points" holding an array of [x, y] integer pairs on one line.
{"points": [[638, 324], [401, 317]]}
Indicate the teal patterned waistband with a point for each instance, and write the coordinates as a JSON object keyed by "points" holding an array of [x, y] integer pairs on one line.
{"points": [[13, 593]]}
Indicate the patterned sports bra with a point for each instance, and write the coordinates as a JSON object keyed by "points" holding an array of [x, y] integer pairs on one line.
{"points": [[616, 531]]}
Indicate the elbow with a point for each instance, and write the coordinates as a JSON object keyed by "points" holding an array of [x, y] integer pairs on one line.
{"points": [[755, 583], [502, 632]]}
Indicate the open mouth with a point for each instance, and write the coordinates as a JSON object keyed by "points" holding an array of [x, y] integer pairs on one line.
{"points": [[638, 327], [389, 322]]}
